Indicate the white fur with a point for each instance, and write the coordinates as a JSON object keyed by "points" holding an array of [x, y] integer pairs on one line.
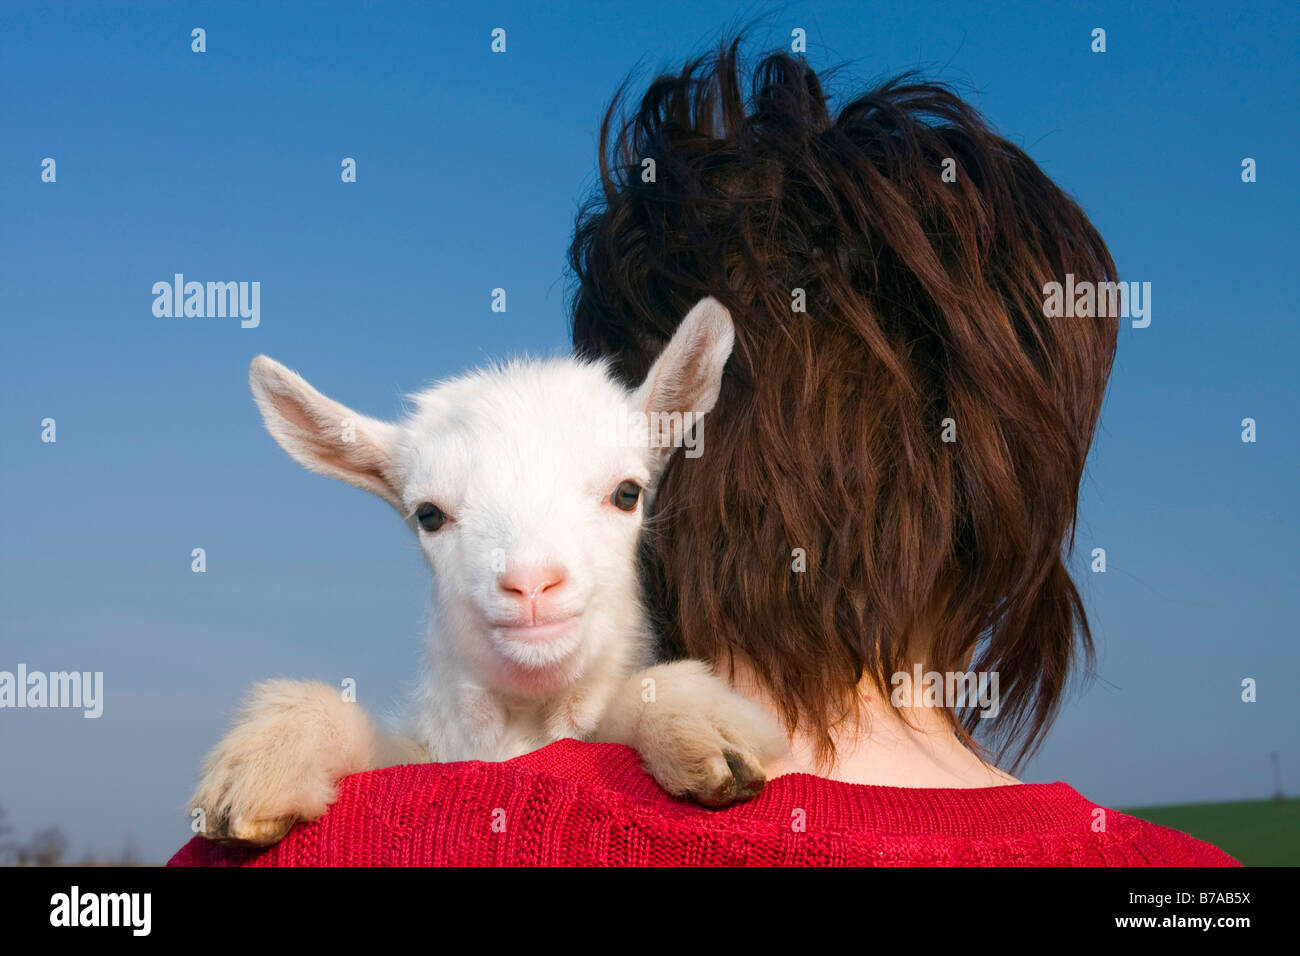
{"points": [[513, 454]]}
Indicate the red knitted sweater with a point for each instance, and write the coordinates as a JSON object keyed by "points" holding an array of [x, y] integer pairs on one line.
{"points": [[581, 803]]}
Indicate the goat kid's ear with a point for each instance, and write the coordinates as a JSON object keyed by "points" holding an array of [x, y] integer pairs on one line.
{"points": [[323, 435], [687, 376]]}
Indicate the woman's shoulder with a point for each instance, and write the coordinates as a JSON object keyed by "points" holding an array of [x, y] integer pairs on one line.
{"points": [[574, 803], [464, 812]]}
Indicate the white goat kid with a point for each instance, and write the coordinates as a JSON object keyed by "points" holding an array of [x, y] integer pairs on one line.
{"points": [[529, 518]]}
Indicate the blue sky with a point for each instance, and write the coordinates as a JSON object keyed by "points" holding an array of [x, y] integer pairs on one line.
{"points": [[225, 166]]}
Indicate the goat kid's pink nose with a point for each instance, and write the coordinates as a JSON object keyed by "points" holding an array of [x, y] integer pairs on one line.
{"points": [[532, 581]]}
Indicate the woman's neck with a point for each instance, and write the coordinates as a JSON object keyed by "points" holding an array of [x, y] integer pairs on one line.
{"points": [[881, 748]]}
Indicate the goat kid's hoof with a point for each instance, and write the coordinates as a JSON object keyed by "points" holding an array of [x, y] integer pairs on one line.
{"points": [[729, 777], [242, 831]]}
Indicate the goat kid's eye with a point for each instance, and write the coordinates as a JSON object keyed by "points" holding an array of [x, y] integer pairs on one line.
{"points": [[431, 517], [626, 495]]}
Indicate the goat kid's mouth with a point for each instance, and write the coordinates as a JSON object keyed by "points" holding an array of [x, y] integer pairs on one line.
{"points": [[540, 632]]}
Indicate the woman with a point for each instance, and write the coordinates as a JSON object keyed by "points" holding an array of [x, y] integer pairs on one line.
{"points": [[890, 478]]}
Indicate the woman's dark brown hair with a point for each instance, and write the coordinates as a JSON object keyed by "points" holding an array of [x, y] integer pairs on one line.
{"points": [[922, 303]]}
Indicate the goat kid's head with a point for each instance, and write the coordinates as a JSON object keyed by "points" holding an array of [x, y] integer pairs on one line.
{"points": [[526, 483]]}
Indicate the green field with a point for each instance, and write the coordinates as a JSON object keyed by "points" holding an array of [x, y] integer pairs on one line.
{"points": [[1256, 832]]}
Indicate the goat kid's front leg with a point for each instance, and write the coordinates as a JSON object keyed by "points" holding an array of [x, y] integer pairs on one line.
{"points": [[290, 745], [696, 736]]}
